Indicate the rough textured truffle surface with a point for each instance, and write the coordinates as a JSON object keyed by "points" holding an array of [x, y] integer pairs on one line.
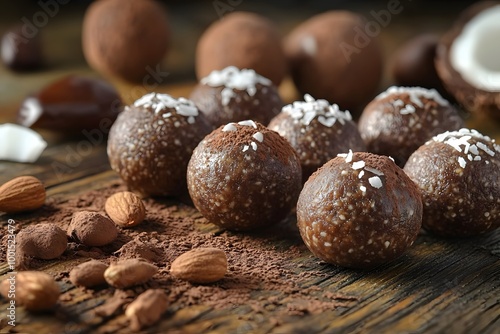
{"points": [[328, 57], [474, 99], [243, 176], [151, 142], [233, 95], [244, 40], [359, 210], [125, 38], [401, 119], [318, 132], [458, 174]]}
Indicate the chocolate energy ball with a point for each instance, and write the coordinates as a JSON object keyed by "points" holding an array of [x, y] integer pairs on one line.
{"points": [[359, 210], [244, 40], [233, 95], [331, 57], [318, 132], [151, 142], [401, 119], [126, 38], [413, 63], [244, 176], [458, 174]]}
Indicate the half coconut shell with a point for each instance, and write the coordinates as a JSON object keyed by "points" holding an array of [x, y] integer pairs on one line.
{"points": [[474, 99]]}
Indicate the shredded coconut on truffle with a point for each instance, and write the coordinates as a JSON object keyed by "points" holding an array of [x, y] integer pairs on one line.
{"points": [[305, 111], [374, 181], [159, 102], [258, 136], [233, 78], [459, 140], [415, 94]]}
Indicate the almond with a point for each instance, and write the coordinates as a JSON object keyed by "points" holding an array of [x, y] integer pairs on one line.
{"points": [[35, 290], [125, 209], [200, 265], [24, 193], [88, 274], [146, 309], [127, 273]]}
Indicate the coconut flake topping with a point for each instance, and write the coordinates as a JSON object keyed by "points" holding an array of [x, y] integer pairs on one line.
{"points": [[159, 102], [374, 181], [233, 78], [415, 94], [305, 111], [459, 140], [258, 136]]}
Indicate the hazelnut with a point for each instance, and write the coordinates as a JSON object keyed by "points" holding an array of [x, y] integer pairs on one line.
{"points": [[92, 229], [45, 241]]}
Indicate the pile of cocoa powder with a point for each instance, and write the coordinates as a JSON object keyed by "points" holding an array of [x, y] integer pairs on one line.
{"points": [[266, 263]]}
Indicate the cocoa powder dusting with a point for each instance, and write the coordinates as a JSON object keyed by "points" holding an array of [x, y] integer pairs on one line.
{"points": [[262, 266], [272, 144]]}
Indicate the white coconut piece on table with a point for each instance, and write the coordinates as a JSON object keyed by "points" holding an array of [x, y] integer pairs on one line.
{"points": [[20, 144]]}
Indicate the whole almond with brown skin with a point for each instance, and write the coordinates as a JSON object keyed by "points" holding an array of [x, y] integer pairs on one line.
{"points": [[88, 274], [125, 209], [127, 273], [200, 265], [24, 193], [35, 290], [146, 309]]}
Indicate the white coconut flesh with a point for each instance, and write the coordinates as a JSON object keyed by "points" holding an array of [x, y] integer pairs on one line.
{"points": [[475, 53]]}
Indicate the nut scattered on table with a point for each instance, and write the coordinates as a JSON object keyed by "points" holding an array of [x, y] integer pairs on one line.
{"points": [[146, 309], [200, 265], [35, 290], [23, 193], [126, 209], [127, 273], [92, 229], [88, 274], [45, 241]]}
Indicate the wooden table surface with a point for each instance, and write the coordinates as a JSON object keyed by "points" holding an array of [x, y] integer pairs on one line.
{"points": [[438, 286]]}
